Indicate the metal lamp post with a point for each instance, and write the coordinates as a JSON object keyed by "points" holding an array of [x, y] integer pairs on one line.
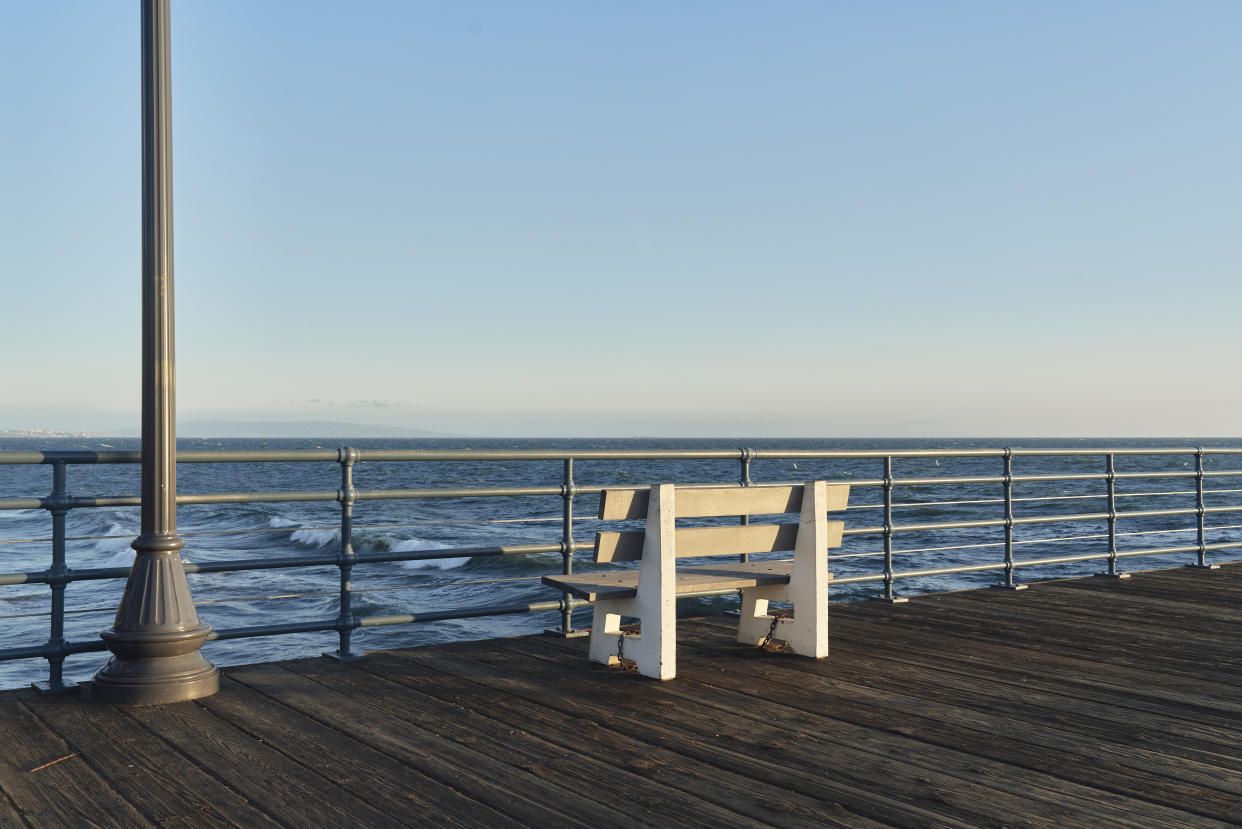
{"points": [[156, 636]]}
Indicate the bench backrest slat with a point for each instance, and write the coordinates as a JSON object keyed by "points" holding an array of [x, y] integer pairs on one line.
{"points": [[706, 501], [710, 541]]}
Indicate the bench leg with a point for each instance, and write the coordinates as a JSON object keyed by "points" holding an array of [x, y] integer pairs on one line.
{"points": [[806, 632], [654, 650], [605, 628], [808, 637], [754, 621]]}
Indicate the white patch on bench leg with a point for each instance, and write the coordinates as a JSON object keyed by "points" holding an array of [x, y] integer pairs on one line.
{"points": [[605, 629], [755, 621]]}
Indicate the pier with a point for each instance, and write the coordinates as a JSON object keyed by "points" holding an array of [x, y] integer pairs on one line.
{"points": [[1087, 702]]}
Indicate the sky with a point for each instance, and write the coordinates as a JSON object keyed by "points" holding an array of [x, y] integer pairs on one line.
{"points": [[815, 219]]}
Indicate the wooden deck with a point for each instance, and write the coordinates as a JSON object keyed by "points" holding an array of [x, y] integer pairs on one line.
{"points": [[1094, 702]]}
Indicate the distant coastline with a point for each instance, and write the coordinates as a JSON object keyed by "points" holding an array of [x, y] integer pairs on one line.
{"points": [[248, 429]]}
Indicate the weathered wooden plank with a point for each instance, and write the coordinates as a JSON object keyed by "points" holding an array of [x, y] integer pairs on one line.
{"points": [[954, 783], [1111, 610], [579, 694], [1175, 580], [1101, 617], [634, 788], [10, 818], [942, 715], [592, 587], [622, 584], [743, 795], [315, 688], [1198, 586], [51, 782], [1192, 606], [1119, 686], [1167, 612], [395, 788], [529, 754], [288, 791], [154, 777], [1120, 644], [694, 542], [770, 679], [703, 502], [936, 681], [760, 711]]}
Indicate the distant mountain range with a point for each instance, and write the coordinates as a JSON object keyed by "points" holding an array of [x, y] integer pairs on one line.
{"points": [[294, 429]]}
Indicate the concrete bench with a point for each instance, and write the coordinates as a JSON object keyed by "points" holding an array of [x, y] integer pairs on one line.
{"points": [[649, 592]]}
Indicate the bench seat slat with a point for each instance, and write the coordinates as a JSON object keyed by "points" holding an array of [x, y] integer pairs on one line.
{"points": [[691, 542], [704, 501], [623, 584]]}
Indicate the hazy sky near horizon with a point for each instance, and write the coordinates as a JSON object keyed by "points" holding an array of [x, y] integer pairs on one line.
{"points": [[643, 218]]}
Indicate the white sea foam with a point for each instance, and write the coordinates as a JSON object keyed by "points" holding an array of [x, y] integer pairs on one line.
{"points": [[315, 538], [409, 544], [114, 552], [279, 521]]}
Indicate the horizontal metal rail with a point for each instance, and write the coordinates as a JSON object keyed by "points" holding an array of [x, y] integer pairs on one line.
{"points": [[28, 457], [332, 495], [1082, 486]]}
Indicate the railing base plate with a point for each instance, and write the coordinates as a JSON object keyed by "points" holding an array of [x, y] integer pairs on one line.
{"points": [[572, 633], [1003, 586], [344, 657], [1112, 575], [48, 689], [1203, 566], [889, 599]]}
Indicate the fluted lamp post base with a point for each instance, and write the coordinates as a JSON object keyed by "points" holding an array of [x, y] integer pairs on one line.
{"points": [[155, 668], [156, 637]]}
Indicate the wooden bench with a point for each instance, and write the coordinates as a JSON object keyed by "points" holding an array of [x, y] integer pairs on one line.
{"points": [[649, 592]]}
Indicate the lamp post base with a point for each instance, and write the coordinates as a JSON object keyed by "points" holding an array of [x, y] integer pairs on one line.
{"points": [[155, 668]]}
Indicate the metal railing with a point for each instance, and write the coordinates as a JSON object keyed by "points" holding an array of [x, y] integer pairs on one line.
{"points": [[58, 504]]}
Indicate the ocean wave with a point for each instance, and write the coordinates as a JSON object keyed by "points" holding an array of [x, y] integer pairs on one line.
{"points": [[315, 539], [114, 551], [122, 537], [371, 542], [410, 544]]}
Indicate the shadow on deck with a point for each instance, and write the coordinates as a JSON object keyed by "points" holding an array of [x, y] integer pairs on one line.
{"points": [[1088, 702]]}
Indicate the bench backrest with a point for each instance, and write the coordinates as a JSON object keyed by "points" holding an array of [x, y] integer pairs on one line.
{"points": [[714, 501]]}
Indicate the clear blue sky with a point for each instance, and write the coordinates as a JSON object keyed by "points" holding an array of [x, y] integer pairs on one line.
{"points": [[694, 218]]}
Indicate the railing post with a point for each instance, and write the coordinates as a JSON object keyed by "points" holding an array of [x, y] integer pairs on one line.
{"points": [[568, 490], [1200, 512], [1007, 484], [888, 534], [58, 577], [346, 559], [1110, 480], [744, 480]]}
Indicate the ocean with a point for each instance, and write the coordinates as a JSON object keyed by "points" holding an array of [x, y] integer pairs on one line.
{"points": [[214, 533]]}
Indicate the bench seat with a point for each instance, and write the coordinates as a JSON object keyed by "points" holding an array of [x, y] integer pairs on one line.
{"points": [[623, 584]]}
